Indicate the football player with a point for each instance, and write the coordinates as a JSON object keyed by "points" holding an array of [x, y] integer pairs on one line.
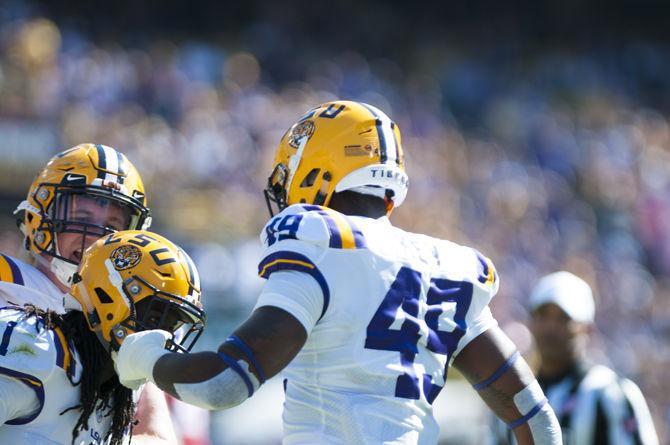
{"points": [[363, 318], [57, 378], [81, 194]]}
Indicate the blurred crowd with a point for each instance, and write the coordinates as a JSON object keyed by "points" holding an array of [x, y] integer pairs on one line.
{"points": [[543, 160]]}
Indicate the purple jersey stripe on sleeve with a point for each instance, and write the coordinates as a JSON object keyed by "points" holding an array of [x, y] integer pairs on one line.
{"points": [[287, 260]]}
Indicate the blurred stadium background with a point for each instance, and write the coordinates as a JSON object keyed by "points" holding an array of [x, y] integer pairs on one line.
{"points": [[537, 133]]}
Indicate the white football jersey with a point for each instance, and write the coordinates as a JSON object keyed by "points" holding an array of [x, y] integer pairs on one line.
{"points": [[397, 308], [22, 283], [43, 360]]}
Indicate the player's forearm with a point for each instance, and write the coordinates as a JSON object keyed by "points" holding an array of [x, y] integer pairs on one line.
{"points": [[524, 409], [258, 349], [206, 379], [541, 429], [198, 367], [529, 416], [507, 385], [516, 398]]}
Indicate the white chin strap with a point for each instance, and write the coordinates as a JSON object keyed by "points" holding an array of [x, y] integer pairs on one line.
{"points": [[60, 268], [63, 271]]}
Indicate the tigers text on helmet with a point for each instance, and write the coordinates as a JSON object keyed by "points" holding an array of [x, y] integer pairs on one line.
{"points": [[136, 280], [79, 191], [334, 147]]}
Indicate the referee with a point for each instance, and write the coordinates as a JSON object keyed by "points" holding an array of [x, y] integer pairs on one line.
{"points": [[594, 406]]}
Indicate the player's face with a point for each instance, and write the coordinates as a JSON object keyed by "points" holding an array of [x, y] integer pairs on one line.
{"points": [[557, 336], [158, 315], [90, 210]]}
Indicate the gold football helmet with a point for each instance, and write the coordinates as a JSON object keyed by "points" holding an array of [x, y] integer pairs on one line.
{"points": [[135, 280], [338, 146], [76, 190]]}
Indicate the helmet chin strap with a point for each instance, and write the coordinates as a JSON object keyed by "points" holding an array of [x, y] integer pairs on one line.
{"points": [[62, 270], [71, 303]]}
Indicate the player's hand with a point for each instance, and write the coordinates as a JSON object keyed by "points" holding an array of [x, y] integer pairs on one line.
{"points": [[139, 352]]}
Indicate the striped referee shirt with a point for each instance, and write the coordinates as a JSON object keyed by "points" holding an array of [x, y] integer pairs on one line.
{"points": [[594, 406]]}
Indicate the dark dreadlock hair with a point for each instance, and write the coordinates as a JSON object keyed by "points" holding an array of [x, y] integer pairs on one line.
{"points": [[94, 392]]}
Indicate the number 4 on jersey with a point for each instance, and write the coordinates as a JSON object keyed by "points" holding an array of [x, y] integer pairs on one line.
{"points": [[405, 295]]}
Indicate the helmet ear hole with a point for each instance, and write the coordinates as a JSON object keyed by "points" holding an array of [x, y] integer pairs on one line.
{"points": [[103, 296], [310, 178]]}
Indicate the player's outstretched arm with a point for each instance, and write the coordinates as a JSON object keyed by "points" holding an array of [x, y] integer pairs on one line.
{"points": [[504, 381], [260, 348]]}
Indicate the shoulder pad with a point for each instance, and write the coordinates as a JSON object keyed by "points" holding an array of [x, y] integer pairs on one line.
{"points": [[471, 265], [18, 295], [10, 271], [22, 283], [313, 224], [29, 348]]}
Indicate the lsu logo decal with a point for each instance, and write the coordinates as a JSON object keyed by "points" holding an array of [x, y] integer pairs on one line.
{"points": [[301, 130], [125, 257]]}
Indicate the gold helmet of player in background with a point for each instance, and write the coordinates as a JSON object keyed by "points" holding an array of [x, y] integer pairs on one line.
{"points": [[338, 146], [136, 280], [91, 172]]}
